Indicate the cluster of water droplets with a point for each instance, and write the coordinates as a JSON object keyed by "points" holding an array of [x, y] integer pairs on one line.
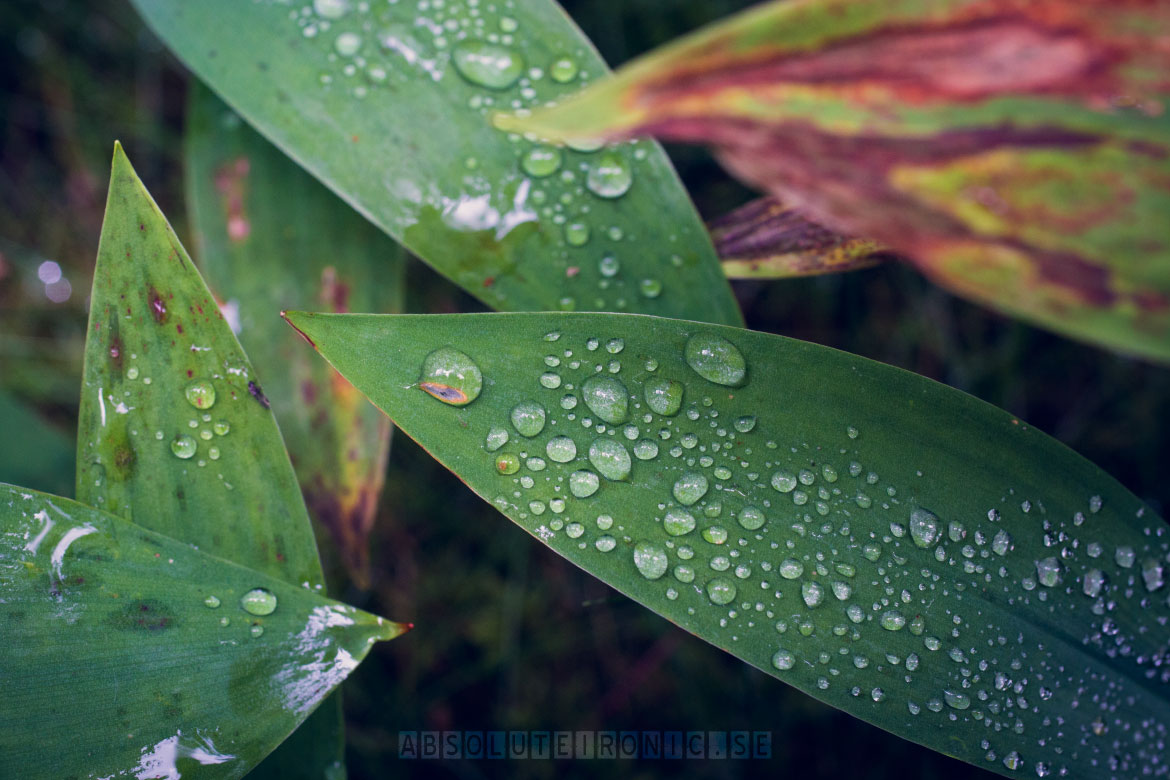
{"points": [[866, 593], [256, 603], [479, 53]]}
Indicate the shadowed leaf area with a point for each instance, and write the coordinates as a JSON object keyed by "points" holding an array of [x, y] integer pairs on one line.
{"points": [[1017, 153], [798, 507]]}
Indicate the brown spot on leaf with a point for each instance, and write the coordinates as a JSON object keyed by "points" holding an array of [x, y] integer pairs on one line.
{"points": [[157, 306]]}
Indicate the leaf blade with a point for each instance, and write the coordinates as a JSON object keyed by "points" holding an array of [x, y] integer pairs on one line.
{"points": [[834, 561], [117, 635], [397, 148]]}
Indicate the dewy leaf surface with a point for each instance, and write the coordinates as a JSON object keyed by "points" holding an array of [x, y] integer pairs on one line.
{"points": [[390, 104], [175, 431], [270, 237], [889, 545], [130, 654], [1018, 153], [765, 239]]}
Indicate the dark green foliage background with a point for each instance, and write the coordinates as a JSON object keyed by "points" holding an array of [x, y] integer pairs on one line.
{"points": [[508, 635]]}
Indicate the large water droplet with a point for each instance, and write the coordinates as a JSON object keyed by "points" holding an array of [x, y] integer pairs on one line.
{"points": [[791, 569], [716, 359], [1094, 581], [893, 620], [751, 518], [200, 394], [645, 449], [651, 560], [664, 396], [1048, 572], [690, 487], [541, 161], [610, 458], [925, 529], [561, 449], [812, 593], [450, 376], [607, 398], [784, 481], [583, 484], [610, 176], [678, 522], [783, 659], [259, 601], [528, 418], [956, 700], [183, 446], [721, 590], [487, 64]]}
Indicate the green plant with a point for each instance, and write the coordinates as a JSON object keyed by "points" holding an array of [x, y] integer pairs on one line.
{"points": [[886, 544]]}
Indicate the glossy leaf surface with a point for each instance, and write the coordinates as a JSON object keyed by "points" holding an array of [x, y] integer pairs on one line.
{"points": [[1019, 153], [131, 654], [389, 105], [270, 237], [889, 545], [175, 432], [765, 239]]}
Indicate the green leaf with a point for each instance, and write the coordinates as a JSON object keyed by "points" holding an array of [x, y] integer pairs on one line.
{"points": [[766, 239], [270, 237], [175, 431], [389, 106], [33, 452], [886, 544], [131, 654], [1019, 154]]}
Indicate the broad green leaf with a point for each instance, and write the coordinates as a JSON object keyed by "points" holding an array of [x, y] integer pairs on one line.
{"points": [[175, 431], [1018, 153], [887, 544], [390, 104], [765, 239], [270, 237], [131, 654], [33, 451]]}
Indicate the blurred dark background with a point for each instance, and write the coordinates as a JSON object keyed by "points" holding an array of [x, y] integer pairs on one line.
{"points": [[509, 635]]}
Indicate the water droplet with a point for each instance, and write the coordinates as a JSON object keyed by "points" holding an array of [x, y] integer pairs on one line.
{"points": [[607, 398], [609, 176], [221, 427], [183, 446], [1001, 543], [650, 288], [746, 423], [678, 522], [541, 161], [651, 560], [955, 700], [783, 659], [715, 535], [528, 418], [609, 266], [893, 620], [561, 449], [583, 484], [721, 590], [812, 593], [925, 528], [716, 359], [611, 458], [605, 543], [347, 44], [496, 437], [132, 372], [507, 463], [784, 481], [577, 234], [1094, 581], [259, 601], [211, 601], [664, 396], [450, 376], [751, 518], [200, 394], [550, 380], [645, 449], [1152, 574], [563, 70], [331, 9], [791, 569], [690, 487], [487, 64], [1048, 572], [1125, 557]]}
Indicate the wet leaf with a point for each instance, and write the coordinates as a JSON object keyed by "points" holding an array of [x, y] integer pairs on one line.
{"points": [[175, 431], [886, 544], [270, 237], [131, 654], [1018, 153], [389, 105], [765, 239]]}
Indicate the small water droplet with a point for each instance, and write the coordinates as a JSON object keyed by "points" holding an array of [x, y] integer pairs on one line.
{"points": [[183, 446], [689, 488], [211, 601], [783, 659], [541, 161], [610, 458], [258, 601], [347, 44], [746, 423], [1048, 572], [716, 359], [609, 266], [651, 560], [563, 70], [496, 437], [577, 234], [607, 398], [721, 590], [678, 522], [487, 64], [812, 593], [256, 631], [331, 9], [791, 569], [893, 620], [132, 372], [200, 394], [751, 518], [605, 543], [716, 535], [507, 463], [528, 418], [561, 449], [583, 483], [664, 396], [650, 288], [609, 176], [645, 449], [925, 529], [450, 376], [784, 481], [956, 700]]}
